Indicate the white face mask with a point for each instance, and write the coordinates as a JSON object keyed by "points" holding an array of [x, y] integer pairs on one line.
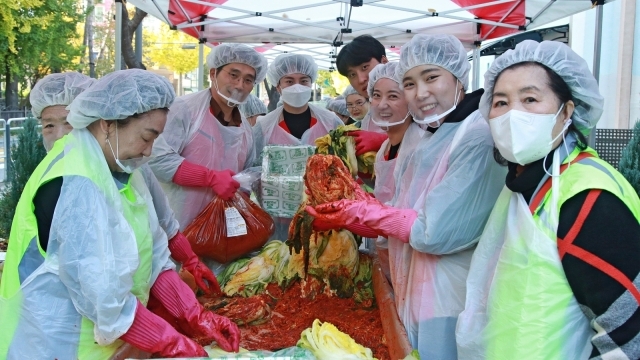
{"points": [[237, 97], [429, 120], [384, 123], [296, 95], [523, 137], [129, 165]]}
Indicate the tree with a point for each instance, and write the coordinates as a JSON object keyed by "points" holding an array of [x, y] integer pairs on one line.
{"points": [[88, 38], [25, 157], [129, 26], [274, 95], [16, 17], [38, 48], [165, 48], [629, 164], [331, 82]]}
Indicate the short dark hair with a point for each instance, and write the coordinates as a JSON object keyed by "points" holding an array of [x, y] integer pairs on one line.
{"points": [[560, 89], [360, 50]]}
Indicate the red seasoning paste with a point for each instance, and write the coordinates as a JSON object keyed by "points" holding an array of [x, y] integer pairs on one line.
{"points": [[291, 314]]}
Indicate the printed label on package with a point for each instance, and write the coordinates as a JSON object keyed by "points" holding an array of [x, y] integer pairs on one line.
{"points": [[236, 226]]}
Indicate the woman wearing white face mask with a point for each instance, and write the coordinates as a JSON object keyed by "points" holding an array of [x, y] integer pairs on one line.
{"points": [[81, 267], [558, 258], [444, 193]]}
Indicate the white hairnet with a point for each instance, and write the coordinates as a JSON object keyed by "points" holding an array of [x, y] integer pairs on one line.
{"points": [[224, 54], [382, 71], [286, 64], [119, 95], [57, 89], [253, 106], [338, 106], [564, 62], [349, 91], [441, 50]]}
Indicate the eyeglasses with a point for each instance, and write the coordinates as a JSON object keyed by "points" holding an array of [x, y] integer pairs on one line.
{"points": [[247, 81], [358, 103]]}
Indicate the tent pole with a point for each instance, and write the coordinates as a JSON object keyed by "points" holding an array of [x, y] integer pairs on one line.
{"points": [[597, 49], [118, 50], [476, 68], [200, 66]]}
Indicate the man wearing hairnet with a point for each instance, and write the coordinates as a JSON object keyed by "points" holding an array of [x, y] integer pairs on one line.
{"points": [[443, 195], [252, 108], [355, 61], [339, 107], [296, 121], [207, 140], [81, 267], [557, 260], [49, 99]]}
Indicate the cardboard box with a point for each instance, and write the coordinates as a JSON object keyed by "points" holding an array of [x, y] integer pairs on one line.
{"points": [[282, 182]]}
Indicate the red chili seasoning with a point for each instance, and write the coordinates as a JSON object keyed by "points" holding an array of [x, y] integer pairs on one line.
{"points": [[291, 314]]}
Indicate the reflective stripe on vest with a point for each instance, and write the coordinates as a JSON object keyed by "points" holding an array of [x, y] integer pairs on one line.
{"points": [[586, 172]]}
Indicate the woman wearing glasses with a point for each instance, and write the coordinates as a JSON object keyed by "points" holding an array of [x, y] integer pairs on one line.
{"points": [[357, 105]]}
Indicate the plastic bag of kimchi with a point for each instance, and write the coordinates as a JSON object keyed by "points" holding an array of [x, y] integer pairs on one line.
{"points": [[227, 230]]}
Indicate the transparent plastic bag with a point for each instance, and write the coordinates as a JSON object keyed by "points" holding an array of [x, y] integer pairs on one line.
{"points": [[227, 230]]}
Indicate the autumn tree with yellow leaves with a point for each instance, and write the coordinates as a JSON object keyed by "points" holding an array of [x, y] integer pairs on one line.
{"points": [[166, 48]]}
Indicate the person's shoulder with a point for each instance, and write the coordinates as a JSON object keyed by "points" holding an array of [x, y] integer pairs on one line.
{"points": [[184, 100]]}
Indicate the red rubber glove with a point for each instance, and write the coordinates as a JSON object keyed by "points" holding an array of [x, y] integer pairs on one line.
{"points": [[367, 141], [384, 220], [181, 251], [358, 229], [197, 322], [222, 183], [152, 334]]}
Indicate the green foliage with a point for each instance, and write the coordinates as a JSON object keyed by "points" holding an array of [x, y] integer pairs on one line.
{"points": [[25, 157], [44, 39], [325, 82], [629, 165]]}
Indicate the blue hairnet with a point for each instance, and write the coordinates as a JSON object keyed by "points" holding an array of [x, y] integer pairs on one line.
{"points": [[224, 54], [253, 106], [119, 95], [382, 71], [286, 64], [338, 106], [57, 89], [563, 61], [441, 50]]}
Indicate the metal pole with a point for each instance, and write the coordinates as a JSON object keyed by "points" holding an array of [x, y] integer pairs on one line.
{"points": [[139, 43], [476, 68], [7, 150], [597, 49], [200, 66], [118, 50]]}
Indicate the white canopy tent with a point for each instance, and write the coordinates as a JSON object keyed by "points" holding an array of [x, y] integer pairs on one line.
{"points": [[319, 27]]}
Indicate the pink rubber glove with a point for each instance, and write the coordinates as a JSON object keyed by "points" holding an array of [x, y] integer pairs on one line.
{"points": [[152, 334], [367, 141], [358, 229], [385, 220], [181, 251], [222, 183], [180, 302]]}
